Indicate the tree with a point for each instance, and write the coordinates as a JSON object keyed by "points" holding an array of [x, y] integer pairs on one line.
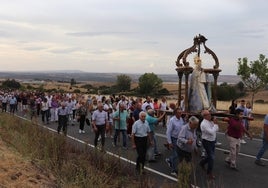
{"points": [[240, 85], [73, 82], [149, 83], [13, 84], [226, 92], [123, 83], [254, 74]]}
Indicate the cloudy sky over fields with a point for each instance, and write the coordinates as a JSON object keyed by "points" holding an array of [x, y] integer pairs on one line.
{"points": [[127, 36]]}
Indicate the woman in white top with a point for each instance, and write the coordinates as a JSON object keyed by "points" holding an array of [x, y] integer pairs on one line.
{"points": [[163, 106], [45, 110]]}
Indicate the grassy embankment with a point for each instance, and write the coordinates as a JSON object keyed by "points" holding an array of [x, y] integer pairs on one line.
{"points": [[72, 165]]}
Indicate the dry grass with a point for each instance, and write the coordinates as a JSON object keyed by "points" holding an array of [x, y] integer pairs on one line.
{"points": [[15, 171], [71, 164]]}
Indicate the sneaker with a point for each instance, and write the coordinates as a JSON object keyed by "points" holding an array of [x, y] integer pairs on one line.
{"points": [[80, 131], [259, 163], [99, 138], [173, 173], [217, 144], [233, 167], [168, 162], [83, 131], [242, 141], [203, 154]]}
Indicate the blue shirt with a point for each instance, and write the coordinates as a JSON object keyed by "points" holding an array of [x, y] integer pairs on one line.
{"points": [[266, 120], [245, 113], [140, 129], [100, 117], [265, 124], [63, 111], [174, 128], [13, 100]]}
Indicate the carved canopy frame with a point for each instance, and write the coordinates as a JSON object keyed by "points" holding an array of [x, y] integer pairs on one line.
{"points": [[184, 69]]}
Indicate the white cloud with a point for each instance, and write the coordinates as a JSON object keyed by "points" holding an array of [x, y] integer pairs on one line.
{"points": [[127, 36]]}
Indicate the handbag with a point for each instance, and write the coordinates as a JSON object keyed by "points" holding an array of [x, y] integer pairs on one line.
{"points": [[87, 122]]}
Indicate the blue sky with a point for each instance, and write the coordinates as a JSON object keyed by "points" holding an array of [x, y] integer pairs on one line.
{"points": [[128, 36]]}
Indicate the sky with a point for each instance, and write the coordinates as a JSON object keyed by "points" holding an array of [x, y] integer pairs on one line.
{"points": [[128, 36]]}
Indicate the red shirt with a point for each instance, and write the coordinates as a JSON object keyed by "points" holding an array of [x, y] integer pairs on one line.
{"points": [[156, 106], [235, 128]]}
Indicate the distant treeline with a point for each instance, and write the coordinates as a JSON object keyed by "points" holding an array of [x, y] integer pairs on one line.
{"points": [[80, 76]]}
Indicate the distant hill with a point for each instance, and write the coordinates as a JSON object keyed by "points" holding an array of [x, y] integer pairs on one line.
{"points": [[81, 76]]}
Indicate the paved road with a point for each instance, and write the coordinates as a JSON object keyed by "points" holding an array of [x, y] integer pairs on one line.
{"points": [[248, 175]]}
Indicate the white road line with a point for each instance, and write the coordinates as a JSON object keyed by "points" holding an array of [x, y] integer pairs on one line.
{"points": [[255, 139], [125, 159], [107, 152], [220, 149], [164, 136], [242, 154]]}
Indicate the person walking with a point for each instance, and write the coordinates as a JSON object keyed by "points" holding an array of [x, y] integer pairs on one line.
{"points": [[173, 130], [186, 143], [120, 119], [209, 128], [12, 104], [81, 116], [245, 121], [33, 110], [45, 111], [152, 121], [63, 113], [264, 146], [139, 137], [70, 106], [99, 123], [235, 131], [4, 102]]}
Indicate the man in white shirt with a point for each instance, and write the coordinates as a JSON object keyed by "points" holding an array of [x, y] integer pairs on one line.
{"points": [[99, 123], [148, 102], [208, 129]]}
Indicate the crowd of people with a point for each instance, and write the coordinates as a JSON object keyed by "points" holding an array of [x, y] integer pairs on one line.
{"points": [[136, 119]]}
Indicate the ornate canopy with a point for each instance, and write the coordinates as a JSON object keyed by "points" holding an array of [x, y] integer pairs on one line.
{"points": [[184, 68]]}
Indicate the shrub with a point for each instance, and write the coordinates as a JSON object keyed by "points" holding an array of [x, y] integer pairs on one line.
{"points": [[261, 101]]}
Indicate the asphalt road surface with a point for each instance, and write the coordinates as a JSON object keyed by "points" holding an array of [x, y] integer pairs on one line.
{"points": [[248, 175]]}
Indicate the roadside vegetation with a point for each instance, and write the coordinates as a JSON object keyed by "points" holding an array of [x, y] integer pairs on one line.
{"points": [[72, 165]]}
